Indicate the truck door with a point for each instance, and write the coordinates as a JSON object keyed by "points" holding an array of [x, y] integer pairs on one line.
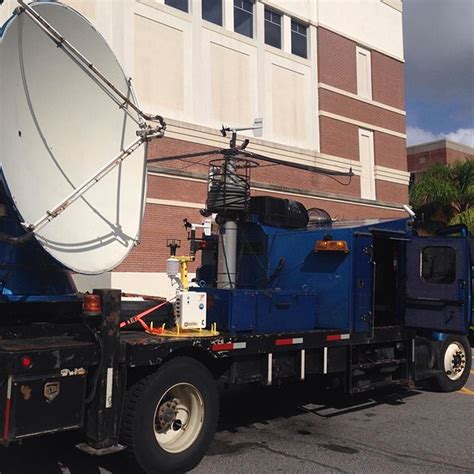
{"points": [[437, 279]]}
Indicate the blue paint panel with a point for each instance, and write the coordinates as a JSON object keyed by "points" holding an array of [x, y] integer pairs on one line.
{"points": [[264, 311], [232, 310], [285, 311], [27, 272]]}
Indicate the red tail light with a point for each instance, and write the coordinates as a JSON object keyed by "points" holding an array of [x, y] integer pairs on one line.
{"points": [[26, 362], [92, 305]]}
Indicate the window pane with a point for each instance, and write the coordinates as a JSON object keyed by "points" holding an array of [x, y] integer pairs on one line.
{"points": [[179, 4], [273, 28], [299, 39], [212, 11], [243, 17], [438, 265]]}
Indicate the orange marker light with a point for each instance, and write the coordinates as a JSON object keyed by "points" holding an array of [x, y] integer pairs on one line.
{"points": [[332, 246], [92, 305]]}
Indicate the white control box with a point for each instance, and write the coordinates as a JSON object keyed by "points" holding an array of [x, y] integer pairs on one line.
{"points": [[190, 309]]}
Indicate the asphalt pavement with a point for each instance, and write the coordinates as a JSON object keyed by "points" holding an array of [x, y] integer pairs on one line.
{"points": [[291, 429]]}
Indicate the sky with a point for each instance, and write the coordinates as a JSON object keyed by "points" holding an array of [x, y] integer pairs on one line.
{"points": [[439, 70]]}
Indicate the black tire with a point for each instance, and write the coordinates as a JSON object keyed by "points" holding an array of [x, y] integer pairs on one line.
{"points": [[442, 381], [138, 422]]}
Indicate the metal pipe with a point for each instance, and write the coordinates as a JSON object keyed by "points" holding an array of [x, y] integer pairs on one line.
{"points": [[227, 256]]}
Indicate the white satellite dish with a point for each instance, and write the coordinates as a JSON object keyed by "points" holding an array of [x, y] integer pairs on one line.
{"points": [[58, 127]]}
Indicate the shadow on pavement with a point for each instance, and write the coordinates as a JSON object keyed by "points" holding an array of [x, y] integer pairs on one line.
{"points": [[249, 405], [239, 407]]}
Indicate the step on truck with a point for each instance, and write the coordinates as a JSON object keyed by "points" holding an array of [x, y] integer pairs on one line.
{"points": [[281, 293]]}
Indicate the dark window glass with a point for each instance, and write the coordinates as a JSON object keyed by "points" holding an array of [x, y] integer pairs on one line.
{"points": [[273, 28], [179, 4], [438, 265], [212, 11], [243, 17], [299, 39]]}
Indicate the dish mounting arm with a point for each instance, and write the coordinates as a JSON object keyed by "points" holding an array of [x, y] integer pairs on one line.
{"points": [[83, 188], [144, 133], [71, 50]]}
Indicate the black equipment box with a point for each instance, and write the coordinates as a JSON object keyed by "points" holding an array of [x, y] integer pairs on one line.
{"points": [[43, 403], [279, 212]]}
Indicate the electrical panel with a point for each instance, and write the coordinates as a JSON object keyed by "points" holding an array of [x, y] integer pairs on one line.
{"points": [[190, 310]]}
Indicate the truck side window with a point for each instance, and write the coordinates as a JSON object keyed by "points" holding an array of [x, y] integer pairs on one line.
{"points": [[438, 265]]}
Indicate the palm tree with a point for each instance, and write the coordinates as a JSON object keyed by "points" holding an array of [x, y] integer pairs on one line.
{"points": [[444, 195]]}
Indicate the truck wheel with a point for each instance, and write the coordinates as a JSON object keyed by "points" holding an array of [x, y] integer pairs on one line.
{"points": [[455, 364], [170, 417]]}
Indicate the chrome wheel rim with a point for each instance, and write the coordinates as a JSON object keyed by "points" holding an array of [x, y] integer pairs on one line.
{"points": [[455, 361], [178, 418]]}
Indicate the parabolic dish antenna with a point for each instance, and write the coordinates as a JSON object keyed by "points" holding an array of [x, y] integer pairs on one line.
{"points": [[58, 127]]}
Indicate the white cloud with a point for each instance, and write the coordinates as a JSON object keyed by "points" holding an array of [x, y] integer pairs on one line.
{"points": [[416, 135], [463, 135]]}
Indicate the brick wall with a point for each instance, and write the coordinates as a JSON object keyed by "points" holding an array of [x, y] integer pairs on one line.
{"points": [[421, 161], [357, 110], [266, 174], [390, 151], [160, 223], [337, 61], [339, 138], [391, 192], [387, 80], [456, 155], [424, 159]]}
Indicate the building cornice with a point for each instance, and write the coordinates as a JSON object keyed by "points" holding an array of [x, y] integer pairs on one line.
{"points": [[436, 145], [396, 4]]}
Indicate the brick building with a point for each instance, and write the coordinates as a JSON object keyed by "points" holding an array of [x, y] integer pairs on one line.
{"points": [[326, 76], [443, 151]]}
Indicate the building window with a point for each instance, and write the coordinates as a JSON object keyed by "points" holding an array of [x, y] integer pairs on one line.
{"points": [[243, 17], [212, 11], [422, 160], [179, 4], [272, 28], [299, 39], [364, 73]]}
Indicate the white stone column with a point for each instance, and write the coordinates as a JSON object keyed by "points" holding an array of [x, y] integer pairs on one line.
{"points": [[286, 33], [228, 14]]}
